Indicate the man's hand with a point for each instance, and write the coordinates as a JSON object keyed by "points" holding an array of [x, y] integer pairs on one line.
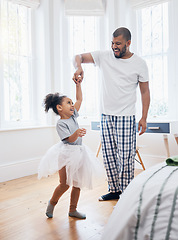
{"points": [[142, 126], [77, 61], [78, 75]]}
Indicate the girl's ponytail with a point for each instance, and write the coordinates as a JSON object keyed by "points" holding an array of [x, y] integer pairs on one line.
{"points": [[52, 100]]}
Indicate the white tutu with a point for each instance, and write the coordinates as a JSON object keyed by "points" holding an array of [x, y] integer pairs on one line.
{"points": [[82, 167]]}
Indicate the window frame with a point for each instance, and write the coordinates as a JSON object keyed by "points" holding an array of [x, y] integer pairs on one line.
{"points": [[87, 67], [36, 93], [11, 124], [171, 57], [68, 86]]}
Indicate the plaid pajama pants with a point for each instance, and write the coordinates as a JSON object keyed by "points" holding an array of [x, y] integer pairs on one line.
{"points": [[118, 137]]}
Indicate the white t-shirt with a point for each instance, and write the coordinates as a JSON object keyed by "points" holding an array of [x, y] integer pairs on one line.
{"points": [[120, 79]]}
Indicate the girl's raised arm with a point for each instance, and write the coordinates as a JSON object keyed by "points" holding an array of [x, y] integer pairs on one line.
{"points": [[78, 96]]}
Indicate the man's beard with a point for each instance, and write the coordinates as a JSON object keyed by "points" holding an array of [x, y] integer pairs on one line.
{"points": [[122, 53]]}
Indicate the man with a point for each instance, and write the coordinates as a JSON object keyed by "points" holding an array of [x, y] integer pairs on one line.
{"points": [[122, 71]]}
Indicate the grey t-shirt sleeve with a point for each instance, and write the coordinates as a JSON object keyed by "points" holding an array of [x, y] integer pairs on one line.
{"points": [[76, 113], [66, 127], [63, 130]]}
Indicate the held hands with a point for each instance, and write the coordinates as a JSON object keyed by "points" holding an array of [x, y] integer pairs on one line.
{"points": [[78, 81], [81, 132], [142, 126], [78, 75]]}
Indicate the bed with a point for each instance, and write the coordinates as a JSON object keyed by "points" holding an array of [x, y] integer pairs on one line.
{"points": [[148, 208]]}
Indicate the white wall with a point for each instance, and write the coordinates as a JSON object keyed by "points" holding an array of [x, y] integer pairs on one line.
{"points": [[152, 148], [22, 149]]}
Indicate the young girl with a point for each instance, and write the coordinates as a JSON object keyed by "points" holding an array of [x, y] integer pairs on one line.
{"points": [[76, 163]]}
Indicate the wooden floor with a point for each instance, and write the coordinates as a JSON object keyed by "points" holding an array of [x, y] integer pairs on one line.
{"points": [[22, 211]]}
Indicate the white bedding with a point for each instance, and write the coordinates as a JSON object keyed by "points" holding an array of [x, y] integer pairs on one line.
{"points": [[148, 208]]}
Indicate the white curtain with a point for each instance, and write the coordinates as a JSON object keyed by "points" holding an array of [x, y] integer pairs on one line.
{"points": [[27, 3], [85, 7], [136, 4]]}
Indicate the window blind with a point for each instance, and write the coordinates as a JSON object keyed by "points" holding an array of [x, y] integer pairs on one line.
{"points": [[84, 7], [137, 4], [27, 3]]}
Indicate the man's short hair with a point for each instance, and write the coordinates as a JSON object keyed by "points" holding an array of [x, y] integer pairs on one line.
{"points": [[124, 32]]}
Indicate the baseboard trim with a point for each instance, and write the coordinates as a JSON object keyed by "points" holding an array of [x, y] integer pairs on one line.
{"points": [[19, 169], [29, 167]]}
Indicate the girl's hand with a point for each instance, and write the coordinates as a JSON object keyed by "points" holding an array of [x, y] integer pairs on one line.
{"points": [[81, 132], [78, 133], [78, 82]]}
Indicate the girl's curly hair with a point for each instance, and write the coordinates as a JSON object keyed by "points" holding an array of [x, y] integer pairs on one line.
{"points": [[52, 100]]}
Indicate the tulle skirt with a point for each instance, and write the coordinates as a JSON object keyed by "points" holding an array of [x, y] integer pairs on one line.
{"points": [[82, 167]]}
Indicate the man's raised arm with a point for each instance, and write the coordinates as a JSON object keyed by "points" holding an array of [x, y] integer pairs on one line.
{"points": [[78, 60]]}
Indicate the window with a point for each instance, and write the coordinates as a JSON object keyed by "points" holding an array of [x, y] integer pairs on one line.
{"points": [[84, 37], [16, 63], [153, 46]]}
